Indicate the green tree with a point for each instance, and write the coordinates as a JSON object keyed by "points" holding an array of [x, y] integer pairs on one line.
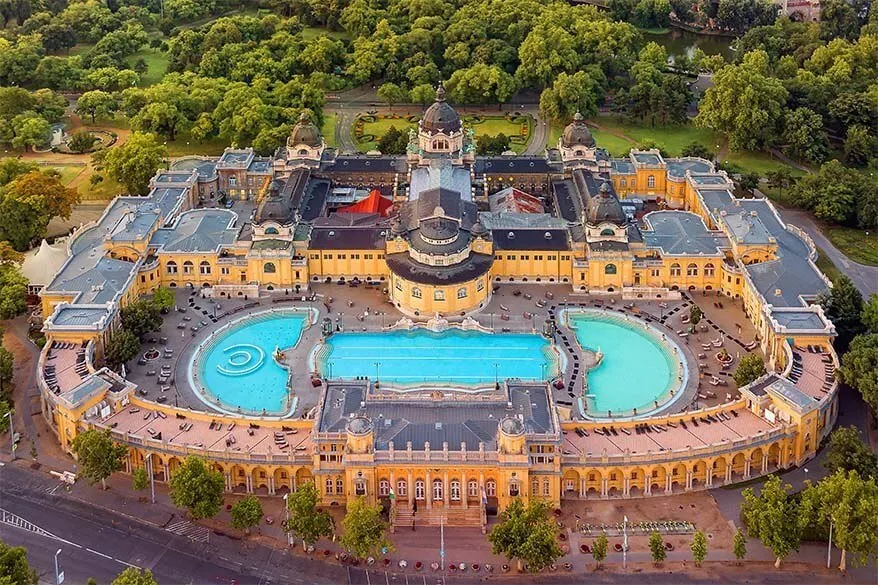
{"points": [[198, 488], [569, 94], [773, 518], [749, 369], [859, 146], [121, 347], [492, 145], [13, 288], [698, 548], [31, 130], [804, 136], [5, 409], [848, 452], [391, 93], [365, 532], [81, 141], [657, 548], [7, 364], [134, 163], [698, 150], [739, 545], [14, 568], [161, 118], [247, 513], [393, 142], [780, 179], [480, 84], [850, 504], [98, 456], [859, 367], [163, 298], [832, 193], [422, 94], [307, 521], [139, 479], [135, 576], [843, 304], [599, 550], [526, 534], [695, 315], [745, 103], [749, 181], [141, 317], [96, 103], [870, 313]]}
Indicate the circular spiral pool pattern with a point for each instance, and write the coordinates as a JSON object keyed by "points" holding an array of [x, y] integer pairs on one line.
{"points": [[241, 357]]}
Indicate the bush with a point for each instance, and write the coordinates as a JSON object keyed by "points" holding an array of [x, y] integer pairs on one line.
{"points": [[81, 141]]}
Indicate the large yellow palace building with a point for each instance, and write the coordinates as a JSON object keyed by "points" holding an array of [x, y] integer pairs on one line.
{"points": [[440, 251]]}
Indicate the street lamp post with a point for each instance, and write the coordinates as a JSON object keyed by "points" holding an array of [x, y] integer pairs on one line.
{"points": [[287, 523], [377, 371], [59, 576], [11, 435], [829, 546], [625, 542]]}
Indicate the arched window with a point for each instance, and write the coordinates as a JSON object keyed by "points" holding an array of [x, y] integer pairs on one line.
{"points": [[535, 487], [383, 488], [610, 269], [608, 232], [172, 267], [438, 295], [401, 488], [514, 489], [187, 267], [437, 490], [709, 269], [675, 269], [419, 489], [440, 144], [339, 486], [269, 268], [455, 490], [650, 181], [473, 489], [546, 487], [271, 231], [491, 487], [692, 269], [416, 293], [329, 484], [461, 293], [204, 267]]}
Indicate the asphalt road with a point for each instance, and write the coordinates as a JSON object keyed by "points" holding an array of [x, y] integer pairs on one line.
{"points": [[100, 543]]}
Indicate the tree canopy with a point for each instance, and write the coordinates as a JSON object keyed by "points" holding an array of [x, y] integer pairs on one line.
{"points": [[773, 518], [526, 534], [135, 576], [134, 163], [848, 452], [749, 369], [365, 531], [98, 456], [14, 568], [306, 520], [247, 513], [859, 367], [198, 488]]}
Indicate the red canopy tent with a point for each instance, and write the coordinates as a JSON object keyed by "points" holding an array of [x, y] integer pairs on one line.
{"points": [[374, 203]]}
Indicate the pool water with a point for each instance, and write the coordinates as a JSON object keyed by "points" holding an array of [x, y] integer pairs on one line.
{"points": [[452, 357], [238, 367], [637, 368]]}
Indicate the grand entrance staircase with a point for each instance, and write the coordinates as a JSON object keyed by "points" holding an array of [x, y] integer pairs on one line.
{"points": [[450, 516]]}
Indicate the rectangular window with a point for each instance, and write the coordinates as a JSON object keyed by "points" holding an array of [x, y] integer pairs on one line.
{"points": [[512, 256], [368, 256], [656, 272], [233, 181], [538, 258], [342, 256], [551, 258], [249, 180], [398, 285], [480, 286], [315, 256], [224, 270], [624, 182], [327, 256], [525, 257], [650, 181]]}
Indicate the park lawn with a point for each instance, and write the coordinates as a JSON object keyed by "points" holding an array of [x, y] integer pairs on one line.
{"points": [[758, 162], [827, 267], [330, 121], [67, 172], [103, 191], [378, 128], [494, 125], [184, 145], [556, 128], [615, 145], [673, 138], [858, 245], [312, 32], [156, 62]]}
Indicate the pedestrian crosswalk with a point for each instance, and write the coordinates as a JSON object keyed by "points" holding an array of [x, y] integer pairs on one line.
{"points": [[7, 517], [189, 530]]}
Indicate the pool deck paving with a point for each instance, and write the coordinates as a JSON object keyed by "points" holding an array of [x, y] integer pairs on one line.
{"points": [[513, 308]]}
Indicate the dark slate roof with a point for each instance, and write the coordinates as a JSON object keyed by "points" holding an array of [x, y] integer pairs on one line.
{"points": [[567, 201], [449, 421], [314, 201], [347, 238], [682, 233], [281, 205], [518, 165], [431, 199], [366, 164], [577, 133], [440, 116], [530, 239], [474, 266]]}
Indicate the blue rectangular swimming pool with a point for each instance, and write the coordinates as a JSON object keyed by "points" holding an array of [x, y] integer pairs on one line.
{"points": [[453, 357]]}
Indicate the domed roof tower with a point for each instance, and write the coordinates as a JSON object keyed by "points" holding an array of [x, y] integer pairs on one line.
{"points": [[440, 117], [305, 132], [577, 134], [605, 207]]}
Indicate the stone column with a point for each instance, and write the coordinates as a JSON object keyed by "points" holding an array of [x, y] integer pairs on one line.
{"points": [[647, 488], [167, 472], [604, 487], [228, 482], [410, 490], [582, 487], [688, 480], [764, 463], [669, 480], [428, 491], [709, 479], [746, 469], [464, 488], [728, 473], [626, 486], [271, 485]]}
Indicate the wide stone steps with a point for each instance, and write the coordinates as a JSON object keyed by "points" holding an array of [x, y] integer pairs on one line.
{"points": [[451, 516]]}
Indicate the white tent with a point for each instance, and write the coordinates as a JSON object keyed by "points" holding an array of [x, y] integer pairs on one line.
{"points": [[41, 265]]}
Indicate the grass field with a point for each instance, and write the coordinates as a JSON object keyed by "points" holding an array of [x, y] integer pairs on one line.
{"points": [[672, 138], [856, 244], [328, 129], [489, 126], [758, 162], [826, 266], [185, 146], [156, 62], [311, 32]]}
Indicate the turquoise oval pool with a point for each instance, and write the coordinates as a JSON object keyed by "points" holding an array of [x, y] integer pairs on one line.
{"points": [[238, 368], [637, 369], [449, 358]]}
